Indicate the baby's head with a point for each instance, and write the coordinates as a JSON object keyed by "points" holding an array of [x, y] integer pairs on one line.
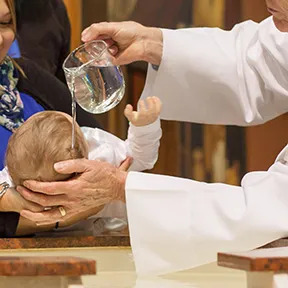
{"points": [[44, 139]]}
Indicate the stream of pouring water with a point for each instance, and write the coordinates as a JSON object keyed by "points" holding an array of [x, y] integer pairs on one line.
{"points": [[73, 112]]}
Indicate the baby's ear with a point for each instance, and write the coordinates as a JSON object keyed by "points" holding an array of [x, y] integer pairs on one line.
{"points": [[74, 153], [18, 182], [86, 151], [77, 153]]}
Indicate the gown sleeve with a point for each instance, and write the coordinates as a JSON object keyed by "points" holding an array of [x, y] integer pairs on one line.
{"points": [[208, 75], [177, 223]]}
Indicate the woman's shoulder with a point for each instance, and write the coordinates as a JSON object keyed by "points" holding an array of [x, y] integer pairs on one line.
{"points": [[43, 86]]}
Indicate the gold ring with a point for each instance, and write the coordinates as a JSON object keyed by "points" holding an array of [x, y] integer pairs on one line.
{"points": [[62, 211]]}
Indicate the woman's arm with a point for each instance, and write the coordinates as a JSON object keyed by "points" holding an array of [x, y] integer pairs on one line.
{"points": [[28, 227], [11, 203]]}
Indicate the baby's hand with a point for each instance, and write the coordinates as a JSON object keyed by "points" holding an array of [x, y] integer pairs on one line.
{"points": [[147, 113]]}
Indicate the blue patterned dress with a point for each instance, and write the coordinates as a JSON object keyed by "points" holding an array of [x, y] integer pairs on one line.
{"points": [[30, 107]]}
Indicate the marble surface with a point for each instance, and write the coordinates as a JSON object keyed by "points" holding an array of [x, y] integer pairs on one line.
{"points": [[259, 260], [46, 266], [104, 240], [119, 240]]}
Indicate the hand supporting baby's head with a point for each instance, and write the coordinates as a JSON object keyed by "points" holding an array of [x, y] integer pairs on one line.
{"points": [[44, 139]]}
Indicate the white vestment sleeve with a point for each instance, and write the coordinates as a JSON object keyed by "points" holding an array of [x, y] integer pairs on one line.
{"points": [[176, 223], [208, 75]]}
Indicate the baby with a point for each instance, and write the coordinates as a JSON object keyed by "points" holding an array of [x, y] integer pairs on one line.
{"points": [[46, 137]]}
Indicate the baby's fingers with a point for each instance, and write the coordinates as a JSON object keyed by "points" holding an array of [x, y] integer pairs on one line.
{"points": [[151, 105], [158, 104], [128, 112], [142, 106]]}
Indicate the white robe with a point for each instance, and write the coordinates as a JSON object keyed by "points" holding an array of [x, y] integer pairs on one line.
{"points": [[213, 76]]}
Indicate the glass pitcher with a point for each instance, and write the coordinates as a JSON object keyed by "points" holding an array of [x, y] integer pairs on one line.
{"points": [[95, 83]]}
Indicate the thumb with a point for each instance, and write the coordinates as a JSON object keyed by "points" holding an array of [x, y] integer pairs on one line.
{"points": [[71, 166], [125, 165], [33, 207], [128, 112], [128, 55]]}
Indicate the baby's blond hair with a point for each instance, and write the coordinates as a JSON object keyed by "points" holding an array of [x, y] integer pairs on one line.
{"points": [[44, 139]]}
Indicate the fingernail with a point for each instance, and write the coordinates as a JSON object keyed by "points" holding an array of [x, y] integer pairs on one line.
{"points": [[85, 30], [21, 190], [59, 166], [113, 50], [86, 35], [26, 184], [22, 213]]}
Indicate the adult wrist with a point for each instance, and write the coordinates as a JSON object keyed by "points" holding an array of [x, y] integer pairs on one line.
{"points": [[153, 46], [6, 205], [281, 24], [121, 181]]}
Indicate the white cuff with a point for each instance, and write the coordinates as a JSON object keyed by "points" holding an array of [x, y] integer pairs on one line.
{"points": [[147, 129]]}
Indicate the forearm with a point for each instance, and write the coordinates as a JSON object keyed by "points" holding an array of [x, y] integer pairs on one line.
{"points": [[9, 216], [9, 204], [6, 202], [143, 143], [27, 227], [120, 187]]}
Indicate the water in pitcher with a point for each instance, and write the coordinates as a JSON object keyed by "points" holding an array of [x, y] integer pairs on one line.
{"points": [[96, 89]]}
